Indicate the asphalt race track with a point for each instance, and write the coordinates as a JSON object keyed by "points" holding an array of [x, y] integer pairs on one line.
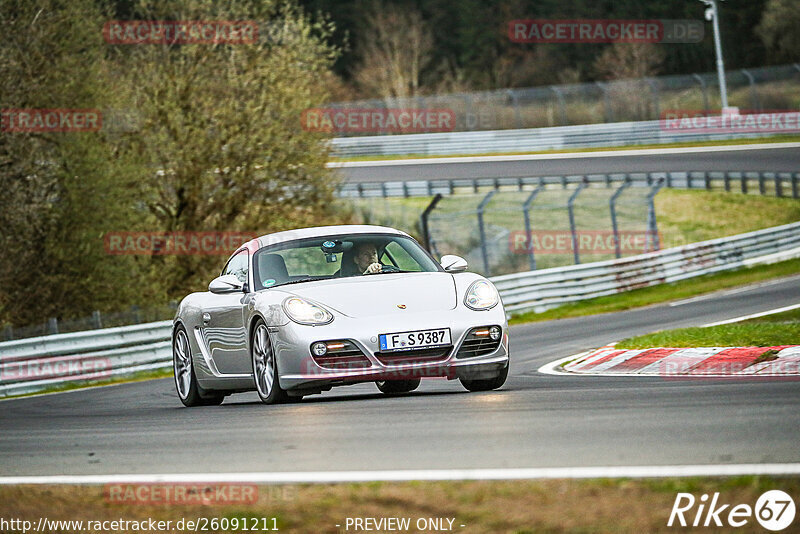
{"points": [[535, 420], [762, 159]]}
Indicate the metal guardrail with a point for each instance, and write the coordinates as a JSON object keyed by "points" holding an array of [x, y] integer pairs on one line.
{"points": [[30, 365], [778, 183], [547, 288], [532, 139], [34, 364]]}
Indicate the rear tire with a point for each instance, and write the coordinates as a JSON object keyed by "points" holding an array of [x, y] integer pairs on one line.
{"points": [[395, 387], [189, 391], [486, 384]]}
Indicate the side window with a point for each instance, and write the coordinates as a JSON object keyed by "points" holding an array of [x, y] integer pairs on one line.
{"points": [[401, 256], [237, 266]]}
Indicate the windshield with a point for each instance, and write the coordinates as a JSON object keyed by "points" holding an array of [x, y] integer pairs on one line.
{"points": [[339, 256]]}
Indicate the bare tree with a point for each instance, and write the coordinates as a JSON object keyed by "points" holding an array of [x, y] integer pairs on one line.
{"points": [[394, 47], [629, 66], [629, 60]]}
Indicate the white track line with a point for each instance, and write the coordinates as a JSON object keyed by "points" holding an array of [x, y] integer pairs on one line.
{"points": [[726, 292], [551, 368], [329, 477], [557, 155], [754, 315]]}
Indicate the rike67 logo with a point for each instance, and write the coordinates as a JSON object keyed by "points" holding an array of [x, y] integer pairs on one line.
{"points": [[774, 510]]}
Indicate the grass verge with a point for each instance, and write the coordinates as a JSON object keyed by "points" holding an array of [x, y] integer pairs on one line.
{"points": [[767, 331], [525, 506], [664, 293], [70, 386], [726, 142]]}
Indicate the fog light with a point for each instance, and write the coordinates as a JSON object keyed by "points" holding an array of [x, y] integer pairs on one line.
{"points": [[319, 348], [494, 333]]}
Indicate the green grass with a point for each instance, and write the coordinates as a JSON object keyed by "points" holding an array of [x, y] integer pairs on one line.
{"points": [[70, 386], [691, 216], [618, 505], [726, 142], [730, 335], [665, 293], [767, 331]]}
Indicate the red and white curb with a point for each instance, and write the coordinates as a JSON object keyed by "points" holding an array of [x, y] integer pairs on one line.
{"points": [[680, 363]]}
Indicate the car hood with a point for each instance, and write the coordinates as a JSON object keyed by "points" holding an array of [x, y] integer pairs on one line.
{"points": [[382, 294]]}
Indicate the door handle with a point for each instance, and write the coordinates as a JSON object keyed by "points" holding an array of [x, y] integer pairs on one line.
{"points": [[206, 319]]}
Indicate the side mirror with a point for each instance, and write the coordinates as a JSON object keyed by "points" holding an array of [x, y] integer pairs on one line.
{"points": [[453, 264], [227, 283]]}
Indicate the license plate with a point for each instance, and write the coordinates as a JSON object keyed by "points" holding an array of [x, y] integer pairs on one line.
{"points": [[418, 339]]}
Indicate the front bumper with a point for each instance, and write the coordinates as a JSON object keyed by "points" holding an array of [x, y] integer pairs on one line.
{"points": [[299, 371]]}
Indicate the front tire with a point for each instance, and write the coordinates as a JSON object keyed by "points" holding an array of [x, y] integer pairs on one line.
{"points": [[189, 391], [265, 367], [395, 387], [486, 384]]}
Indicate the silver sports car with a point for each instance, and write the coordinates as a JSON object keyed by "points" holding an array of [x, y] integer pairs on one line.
{"points": [[295, 313]]}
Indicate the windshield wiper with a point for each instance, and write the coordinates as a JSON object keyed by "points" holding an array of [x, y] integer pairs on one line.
{"points": [[306, 279]]}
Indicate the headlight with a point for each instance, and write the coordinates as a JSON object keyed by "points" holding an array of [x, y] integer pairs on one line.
{"points": [[481, 295], [303, 312]]}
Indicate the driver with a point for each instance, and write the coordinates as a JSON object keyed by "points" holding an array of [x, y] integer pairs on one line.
{"points": [[366, 258]]}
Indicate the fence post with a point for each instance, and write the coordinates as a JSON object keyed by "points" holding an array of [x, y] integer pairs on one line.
{"points": [[707, 180], [426, 234], [96, 320], [482, 230], [467, 107], [526, 206], [743, 179], [778, 185], [795, 176], [612, 205], [571, 212], [607, 111], [761, 188], [652, 224], [727, 179], [704, 86], [654, 90], [515, 101], [52, 326], [562, 107], [753, 94]]}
